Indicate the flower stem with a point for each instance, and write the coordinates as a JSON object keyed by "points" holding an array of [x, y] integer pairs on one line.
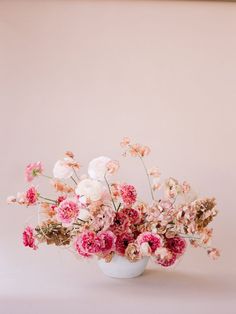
{"points": [[75, 173], [74, 180], [110, 191], [47, 199], [46, 176], [148, 177]]}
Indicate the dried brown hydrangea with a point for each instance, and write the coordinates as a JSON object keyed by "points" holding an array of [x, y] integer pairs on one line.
{"points": [[52, 232], [132, 252]]}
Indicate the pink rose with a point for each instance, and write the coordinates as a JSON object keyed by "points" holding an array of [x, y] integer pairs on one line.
{"points": [[122, 242]]}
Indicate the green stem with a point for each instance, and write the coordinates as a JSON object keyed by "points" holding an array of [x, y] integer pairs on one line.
{"points": [[47, 199], [46, 176]]}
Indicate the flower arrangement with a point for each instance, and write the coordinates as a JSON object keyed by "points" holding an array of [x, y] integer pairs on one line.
{"points": [[97, 217]]}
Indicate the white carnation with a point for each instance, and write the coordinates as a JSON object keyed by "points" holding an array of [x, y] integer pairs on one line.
{"points": [[91, 189], [61, 170], [97, 168]]}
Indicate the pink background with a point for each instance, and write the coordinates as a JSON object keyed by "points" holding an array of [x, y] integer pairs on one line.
{"points": [[80, 75]]}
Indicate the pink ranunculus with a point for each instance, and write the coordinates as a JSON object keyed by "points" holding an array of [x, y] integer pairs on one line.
{"points": [[67, 212], [176, 245], [107, 241], [29, 238], [152, 239], [33, 170], [128, 194], [31, 196], [122, 242], [87, 244]]}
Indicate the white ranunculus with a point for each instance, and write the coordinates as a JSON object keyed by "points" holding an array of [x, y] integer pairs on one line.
{"points": [[97, 168], [91, 189], [84, 214], [61, 170]]}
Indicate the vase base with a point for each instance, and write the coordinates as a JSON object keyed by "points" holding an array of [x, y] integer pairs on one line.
{"points": [[121, 268]]}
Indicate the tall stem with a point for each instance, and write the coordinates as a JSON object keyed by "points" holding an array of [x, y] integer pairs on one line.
{"points": [[47, 199], [148, 177], [109, 191]]}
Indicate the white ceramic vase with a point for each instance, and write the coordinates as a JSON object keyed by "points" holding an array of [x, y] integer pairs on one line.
{"points": [[121, 267]]}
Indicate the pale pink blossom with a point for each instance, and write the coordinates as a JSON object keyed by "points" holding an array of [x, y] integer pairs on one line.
{"points": [[145, 249], [67, 212], [11, 199], [125, 142], [112, 166], [144, 151], [154, 172], [90, 189], [29, 238], [62, 170], [213, 253], [87, 244], [33, 170]]}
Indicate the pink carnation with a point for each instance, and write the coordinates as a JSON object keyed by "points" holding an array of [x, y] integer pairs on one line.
{"points": [[132, 214], [31, 196], [121, 223], [168, 260], [33, 170], [107, 241], [176, 245], [122, 242], [87, 244], [152, 239], [128, 194], [28, 238], [67, 211]]}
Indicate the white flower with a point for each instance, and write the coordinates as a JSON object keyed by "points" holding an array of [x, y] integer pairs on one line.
{"points": [[97, 168], [84, 214], [61, 170], [91, 189]]}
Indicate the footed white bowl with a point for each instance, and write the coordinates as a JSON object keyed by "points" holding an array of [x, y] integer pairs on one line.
{"points": [[120, 267]]}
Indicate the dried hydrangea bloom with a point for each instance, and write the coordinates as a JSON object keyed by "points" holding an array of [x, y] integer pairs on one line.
{"points": [[125, 142], [205, 210], [172, 188], [132, 252]]}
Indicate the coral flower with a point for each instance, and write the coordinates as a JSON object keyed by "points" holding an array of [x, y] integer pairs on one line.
{"points": [[122, 242], [67, 212], [28, 238], [33, 170], [128, 194], [168, 260], [131, 213], [152, 239], [87, 244], [31, 196], [176, 245]]}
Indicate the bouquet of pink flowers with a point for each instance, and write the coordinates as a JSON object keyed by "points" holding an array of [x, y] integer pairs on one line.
{"points": [[97, 217]]}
